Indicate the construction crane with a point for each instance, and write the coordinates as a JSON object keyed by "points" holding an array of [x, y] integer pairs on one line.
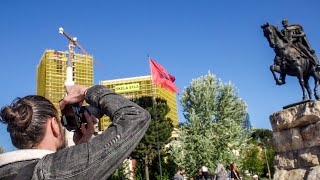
{"points": [[69, 79], [72, 42]]}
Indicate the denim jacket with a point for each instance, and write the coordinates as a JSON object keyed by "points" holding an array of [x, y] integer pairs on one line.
{"points": [[101, 155]]}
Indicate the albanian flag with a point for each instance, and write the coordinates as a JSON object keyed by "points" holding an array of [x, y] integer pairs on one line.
{"points": [[161, 77]]}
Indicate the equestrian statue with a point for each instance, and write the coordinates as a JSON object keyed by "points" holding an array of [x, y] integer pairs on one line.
{"points": [[294, 56]]}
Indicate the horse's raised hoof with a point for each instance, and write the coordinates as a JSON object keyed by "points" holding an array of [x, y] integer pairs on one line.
{"points": [[279, 82]]}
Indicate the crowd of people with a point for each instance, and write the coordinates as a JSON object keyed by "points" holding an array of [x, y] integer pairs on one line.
{"points": [[220, 173]]}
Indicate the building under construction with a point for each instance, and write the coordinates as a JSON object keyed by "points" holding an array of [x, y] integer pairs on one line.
{"points": [[51, 74], [136, 87]]}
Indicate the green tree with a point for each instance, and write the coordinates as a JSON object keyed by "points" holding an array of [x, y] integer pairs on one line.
{"points": [[1, 150], [121, 173], [168, 169], [263, 137], [147, 150], [270, 154], [253, 161], [213, 131]]}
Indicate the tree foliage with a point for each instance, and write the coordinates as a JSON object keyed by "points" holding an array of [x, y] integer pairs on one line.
{"points": [[121, 173], [168, 168], [262, 138], [146, 152], [253, 161], [213, 131]]}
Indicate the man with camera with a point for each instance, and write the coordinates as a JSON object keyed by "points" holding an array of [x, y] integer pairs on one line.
{"points": [[37, 130]]}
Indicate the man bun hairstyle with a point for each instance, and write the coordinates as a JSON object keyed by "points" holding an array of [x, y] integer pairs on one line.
{"points": [[26, 118]]}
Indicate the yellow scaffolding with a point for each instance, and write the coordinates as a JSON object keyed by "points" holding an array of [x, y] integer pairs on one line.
{"points": [[136, 87], [51, 74]]}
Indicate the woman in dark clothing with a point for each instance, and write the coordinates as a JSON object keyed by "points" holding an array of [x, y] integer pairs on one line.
{"points": [[235, 175]]}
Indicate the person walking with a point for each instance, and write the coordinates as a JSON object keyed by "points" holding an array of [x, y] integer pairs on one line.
{"points": [[179, 174], [255, 177], [235, 175], [220, 173], [204, 171]]}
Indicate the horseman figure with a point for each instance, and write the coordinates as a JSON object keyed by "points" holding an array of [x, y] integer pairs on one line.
{"points": [[296, 37], [294, 56]]}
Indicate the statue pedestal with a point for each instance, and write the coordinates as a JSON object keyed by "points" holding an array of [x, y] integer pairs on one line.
{"points": [[296, 139]]}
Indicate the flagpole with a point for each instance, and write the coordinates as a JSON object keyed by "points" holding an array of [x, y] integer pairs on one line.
{"points": [[157, 128]]}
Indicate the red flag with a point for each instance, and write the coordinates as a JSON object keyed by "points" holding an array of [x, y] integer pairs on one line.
{"points": [[161, 77]]}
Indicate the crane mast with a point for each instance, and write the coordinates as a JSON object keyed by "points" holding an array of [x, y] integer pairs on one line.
{"points": [[72, 43], [69, 74]]}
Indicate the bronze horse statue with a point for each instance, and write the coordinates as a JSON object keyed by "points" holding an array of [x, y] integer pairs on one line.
{"points": [[289, 60]]}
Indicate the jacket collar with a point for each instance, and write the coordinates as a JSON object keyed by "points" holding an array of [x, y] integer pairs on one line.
{"points": [[22, 155]]}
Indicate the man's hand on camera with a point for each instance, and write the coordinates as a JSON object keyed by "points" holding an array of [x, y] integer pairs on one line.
{"points": [[86, 131], [75, 94]]}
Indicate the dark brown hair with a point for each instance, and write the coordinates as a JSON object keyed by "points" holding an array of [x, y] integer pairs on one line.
{"points": [[233, 167], [26, 118]]}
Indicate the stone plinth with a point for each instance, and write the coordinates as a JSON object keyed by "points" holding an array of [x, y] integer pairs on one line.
{"points": [[296, 139]]}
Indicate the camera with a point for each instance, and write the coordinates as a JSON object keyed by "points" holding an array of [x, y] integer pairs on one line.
{"points": [[72, 116]]}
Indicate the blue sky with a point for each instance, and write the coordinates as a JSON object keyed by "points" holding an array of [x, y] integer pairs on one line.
{"points": [[187, 37]]}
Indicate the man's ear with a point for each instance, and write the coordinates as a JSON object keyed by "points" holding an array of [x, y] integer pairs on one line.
{"points": [[54, 125]]}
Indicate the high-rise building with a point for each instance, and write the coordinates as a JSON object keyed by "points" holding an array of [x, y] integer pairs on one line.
{"points": [[247, 123], [51, 74], [135, 87]]}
